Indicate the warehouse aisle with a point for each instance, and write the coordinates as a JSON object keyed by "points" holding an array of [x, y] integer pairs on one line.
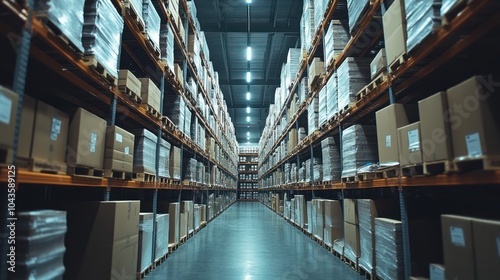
{"points": [[249, 241]]}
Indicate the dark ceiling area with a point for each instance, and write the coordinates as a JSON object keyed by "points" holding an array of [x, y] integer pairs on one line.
{"points": [[274, 28]]}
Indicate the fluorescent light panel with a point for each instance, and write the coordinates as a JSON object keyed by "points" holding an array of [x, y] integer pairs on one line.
{"points": [[248, 109], [248, 95], [249, 53], [249, 77], [248, 119]]}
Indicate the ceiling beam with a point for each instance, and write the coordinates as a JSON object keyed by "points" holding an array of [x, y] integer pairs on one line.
{"points": [[244, 106], [256, 28], [255, 82]]}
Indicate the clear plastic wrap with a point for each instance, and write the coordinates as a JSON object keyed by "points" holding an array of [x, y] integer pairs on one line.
{"points": [[338, 246], [302, 174], [331, 159], [446, 6], [336, 39], [192, 9], [366, 236], [145, 152], [163, 170], [67, 16], [101, 33], [323, 111], [162, 232], [187, 121], [389, 260], [293, 173], [293, 63], [353, 75], [301, 134], [308, 14], [167, 45], [303, 90], [359, 148], [287, 173], [355, 10], [175, 110], [145, 241], [190, 170], [152, 22], [422, 18], [313, 115]]}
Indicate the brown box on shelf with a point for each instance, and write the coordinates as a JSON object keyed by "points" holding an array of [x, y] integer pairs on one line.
{"points": [[486, 248], [8, 115], [474, 118], [174, 212], [436, 271], [351, 237], [389, 119], [435, 128], [150, 93], [50, 137], [378, 64], [334, 225], [102, 239], [179, 74], [119, 151], [394, 22], [316, 69], [350, 211], [410, 147], [26, 128], [458, 247], [86, 140], [293, 139], [175, 162], [183, 231], [203, 212], [126, 79], [118, 165], [187, 207]]}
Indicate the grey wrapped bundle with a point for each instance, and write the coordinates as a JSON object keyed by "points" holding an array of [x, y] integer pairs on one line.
{"points": [[336, 39], [101, 33], [422, 18], [162, 235], [353, 75], [145, 152], [389, 260], [303, 90], [164, 164], [293, 62], [40, 244], [302, 174], [447, 5], [307, 170], [293, 173], [190, 170], [67, 16], [359, 148], [167, 45], [174, 110], [323, 111], [200, 168], [152, 22], [317, 172], [319, 12], [192, 9], [331, 159], [308, 15], [366, 229], [355, 9], [287, 173], [313, 115], [332, 99], [301, 133]]}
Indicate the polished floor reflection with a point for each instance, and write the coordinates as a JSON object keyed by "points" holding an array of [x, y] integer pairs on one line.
{"points": [[249, 241]]}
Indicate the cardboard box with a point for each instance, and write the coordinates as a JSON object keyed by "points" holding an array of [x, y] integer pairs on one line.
{"points": [[174, 212], [150, 93], [203, 212], [436, 271], [316, 69], [162, 234], [50, 134], [474, 118], [118, 165], [389, 119], [183, 225], [26, 128], [86, 140], [395, 45], [458, 247], [320, 218], [119, 152], [187, 207], [378, 64], [410, 151], [175, 162], [351, 237], [350, 211], [394, 17], [486, 248], [8, 115], [145, 241], [435, 128], [334, 224], [126, 79]]}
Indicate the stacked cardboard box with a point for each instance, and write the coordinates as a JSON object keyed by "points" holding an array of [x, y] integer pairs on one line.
{"points": [[164, 164], [355, 10], [102, 239], [86, 138], [301, 210], [145, 241], [410, 147], [150, 94], [447, 5], [389, 249], [293, 63], [8, 122], [351, 229], [162, 235], [175, 163], [308, 29], [359, 148], [313, 115], [353, 75], [145, 152], [422, 19], [316, 73], [187, 208], [39, 245], [334, 227], [101, 38], [318, 217], [119, 150], [174, 109], [394, 21], [378, 64], [336, 39], [331, 159], [319, 12], [128, 81]]}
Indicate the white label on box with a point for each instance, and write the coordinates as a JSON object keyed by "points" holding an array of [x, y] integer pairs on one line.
{"points": [[5, 109], [473, 145], [388, 141], [413, 141], [127, 150], [457, 236], [119, 138], [436, 272], [498, 245], [56, 129], [93, 142]]}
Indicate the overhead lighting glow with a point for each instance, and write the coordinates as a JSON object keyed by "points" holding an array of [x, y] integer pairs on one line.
{"points": [[249, 53], [248, 95], [248, 138], [249, 1], [248, 133], [249, 77], [248, 119], [248, 109]]}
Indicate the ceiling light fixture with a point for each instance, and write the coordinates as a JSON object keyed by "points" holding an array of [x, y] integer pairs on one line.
{"points": [[249, 53], [248, 133], [249, 77], [248, 109], [248, 95], [248, 119], [249, 1]]}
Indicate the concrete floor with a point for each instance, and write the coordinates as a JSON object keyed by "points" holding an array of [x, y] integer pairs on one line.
{"points": [[250, 242]]}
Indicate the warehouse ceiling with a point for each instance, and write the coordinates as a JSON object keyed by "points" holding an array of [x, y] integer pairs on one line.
{"points": [[274, 28]]}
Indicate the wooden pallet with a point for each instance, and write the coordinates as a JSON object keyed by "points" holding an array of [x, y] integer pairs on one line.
{"points": [[454, 11], [439, 167], [160, 260], [152, 111], [47, 166], [85, 171], [172, 247], [118, 175], [388, 172], [144, 177], [369, 176], [483, 163], [163, 180], [412, 170], [135, 16], [151, 46], [145, 272], [349, 179], [132, 95], [352, 263], [92, 62], [398, 62], [367, 273], [374, 84]]}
